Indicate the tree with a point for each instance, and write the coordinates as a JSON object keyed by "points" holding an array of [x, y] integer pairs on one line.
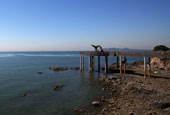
{"points": [[161, 48]]}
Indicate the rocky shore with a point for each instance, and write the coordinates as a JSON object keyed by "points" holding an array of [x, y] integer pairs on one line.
{"points": [[131, 94]]}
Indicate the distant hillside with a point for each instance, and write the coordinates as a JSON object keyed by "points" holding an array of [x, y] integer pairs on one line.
{"points": [[126, 49]]}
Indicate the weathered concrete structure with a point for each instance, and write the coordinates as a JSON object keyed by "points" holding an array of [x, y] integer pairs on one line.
{"points": [[120, 61]]}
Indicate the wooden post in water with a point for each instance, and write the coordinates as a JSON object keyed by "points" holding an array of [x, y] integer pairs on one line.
{"points": [[144, 67], [120, 65], [98, 63], [93, 63], [117, 61], [106, 64], [90, 64], [149, 68]]}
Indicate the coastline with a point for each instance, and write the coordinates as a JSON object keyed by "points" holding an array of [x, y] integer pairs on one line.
{"points": [[131, 94]]}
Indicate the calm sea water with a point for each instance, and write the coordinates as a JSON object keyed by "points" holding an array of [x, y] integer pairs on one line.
{"points": [[18, 75]]}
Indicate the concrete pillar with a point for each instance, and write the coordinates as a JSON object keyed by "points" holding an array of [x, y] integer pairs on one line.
{"points": [[117, 62], [120, 65], [80, 63], [90, 64], [106, 64], [124, 65], [144, 67], [149, 68], [98, 63], [93, 63]]}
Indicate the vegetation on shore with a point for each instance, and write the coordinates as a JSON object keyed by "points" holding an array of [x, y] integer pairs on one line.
{"points": [[161, 48]]}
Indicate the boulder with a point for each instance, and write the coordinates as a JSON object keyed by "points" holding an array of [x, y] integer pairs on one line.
{"points": [[160, 64], [96, 103]]}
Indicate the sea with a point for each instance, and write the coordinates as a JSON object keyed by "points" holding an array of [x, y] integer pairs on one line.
{"points": [[18, 76]]}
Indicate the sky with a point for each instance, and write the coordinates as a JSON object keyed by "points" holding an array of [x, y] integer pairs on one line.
{"points": [[64, 25]]}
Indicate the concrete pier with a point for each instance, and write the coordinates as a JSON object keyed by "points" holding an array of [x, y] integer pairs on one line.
{"points": [[119, 56]]}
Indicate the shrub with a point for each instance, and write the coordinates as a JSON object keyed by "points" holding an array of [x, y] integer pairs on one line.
{"points": [[161, 48]]}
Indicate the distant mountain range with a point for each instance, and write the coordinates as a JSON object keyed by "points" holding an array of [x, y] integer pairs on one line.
{"points": [[126, 49]]}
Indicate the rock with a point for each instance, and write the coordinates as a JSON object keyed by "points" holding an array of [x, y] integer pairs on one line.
{"points": [[111, 101], [111, 94], [155, 72], [137, 63], [103, 110], [58, 68], [24, 95], [76, 68], [157, 62], [118, 81], [96, 103], [103, 98], [58, 86], [131, 113], [107, 80], [101, 79], [103, 89], [78, 111], [110, 106], [54, 88], [39, 73], [160, 64], [75, 109], [113, 77]]}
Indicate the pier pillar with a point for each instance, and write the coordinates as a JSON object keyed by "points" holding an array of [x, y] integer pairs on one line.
{"points": [[106, 64], [144, 67], [124, 65], [80, 63], [149, 68], [120, 65], [117, 62], [90, 64], [98, 63], [93, 63]]}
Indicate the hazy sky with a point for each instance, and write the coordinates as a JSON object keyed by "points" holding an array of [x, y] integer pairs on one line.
{"points": [[28, 25]]}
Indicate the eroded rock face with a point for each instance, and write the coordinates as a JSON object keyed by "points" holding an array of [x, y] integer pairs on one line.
{"points": [[160, 63], [157, 62]]}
